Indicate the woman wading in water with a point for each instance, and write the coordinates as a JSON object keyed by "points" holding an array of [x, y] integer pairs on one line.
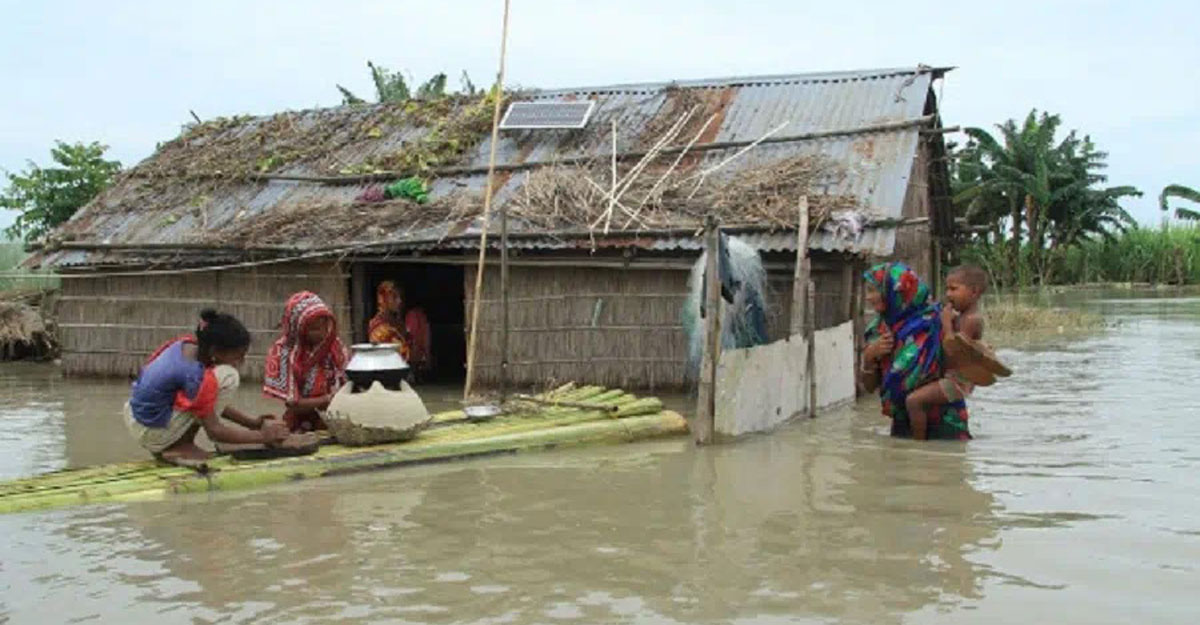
{"points": [[904, 351]]}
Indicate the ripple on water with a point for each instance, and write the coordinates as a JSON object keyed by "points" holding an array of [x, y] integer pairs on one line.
{"points": [[1079, 490]]}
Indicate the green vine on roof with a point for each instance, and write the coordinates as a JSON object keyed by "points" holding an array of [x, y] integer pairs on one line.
{"points": [[449, 138], [445, 127]]}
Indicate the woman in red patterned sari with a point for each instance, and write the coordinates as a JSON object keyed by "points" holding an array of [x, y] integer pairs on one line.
{"points": [[387, 326], [307, 363]]}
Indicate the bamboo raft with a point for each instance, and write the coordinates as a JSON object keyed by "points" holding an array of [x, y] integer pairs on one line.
{"points": [[565, 417]]}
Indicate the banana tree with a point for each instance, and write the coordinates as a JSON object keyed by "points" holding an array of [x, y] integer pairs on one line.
{"points": [[1048, 187], [1182, 192], [393, 87]]}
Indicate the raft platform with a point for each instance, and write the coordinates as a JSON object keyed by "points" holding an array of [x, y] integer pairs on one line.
{"points": [[617, 417]]}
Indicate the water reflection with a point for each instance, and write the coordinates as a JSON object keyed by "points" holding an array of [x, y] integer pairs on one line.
{"points": [[831, 516]]}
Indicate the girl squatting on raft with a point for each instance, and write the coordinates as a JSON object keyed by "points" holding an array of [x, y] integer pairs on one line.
{"points": [[189, 383], [905, 354]]}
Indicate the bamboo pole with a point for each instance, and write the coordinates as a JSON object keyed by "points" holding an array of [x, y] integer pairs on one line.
{"points": [[612, 194], [848, 289], [801, 271], [706, 396], [568, 404], [810, 337], [857, 307], [487, 205]]}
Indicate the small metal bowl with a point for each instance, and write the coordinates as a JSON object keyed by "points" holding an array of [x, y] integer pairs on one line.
{"points": [[482, 412]]}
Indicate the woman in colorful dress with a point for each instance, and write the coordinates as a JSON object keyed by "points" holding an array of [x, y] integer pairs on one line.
{"points": [[307, 363], [904, 350], [407, 328], [387, 326]]}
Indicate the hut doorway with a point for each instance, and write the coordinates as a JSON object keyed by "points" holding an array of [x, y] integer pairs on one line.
{"points": [[437, 289]]}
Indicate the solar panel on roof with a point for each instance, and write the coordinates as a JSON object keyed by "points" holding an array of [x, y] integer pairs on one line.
{"points": [[531, 115]]}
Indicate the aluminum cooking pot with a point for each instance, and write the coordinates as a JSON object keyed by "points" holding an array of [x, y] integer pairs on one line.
{"points": [[376, 362]]}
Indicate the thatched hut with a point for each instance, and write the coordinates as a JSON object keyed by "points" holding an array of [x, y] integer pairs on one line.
{"points": [[241, 212]]}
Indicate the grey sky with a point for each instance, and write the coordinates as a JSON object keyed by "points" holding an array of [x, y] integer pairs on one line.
{"points": [[126, 73]]}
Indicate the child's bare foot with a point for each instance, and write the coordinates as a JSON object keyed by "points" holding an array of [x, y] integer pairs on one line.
{"points": [[185, 454]]}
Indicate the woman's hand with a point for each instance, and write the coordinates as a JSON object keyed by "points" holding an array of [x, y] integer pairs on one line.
{"points": [[263, 419], [274, 431], [880, 347]]}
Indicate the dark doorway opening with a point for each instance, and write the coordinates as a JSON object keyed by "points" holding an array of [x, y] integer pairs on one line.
{"points": [[438, 290]]}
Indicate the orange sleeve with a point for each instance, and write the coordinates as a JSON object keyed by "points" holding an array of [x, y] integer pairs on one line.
{"points": [[205, 402]]}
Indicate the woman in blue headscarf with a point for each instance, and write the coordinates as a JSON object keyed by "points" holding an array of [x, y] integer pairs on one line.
{"points": [[904, 351]]}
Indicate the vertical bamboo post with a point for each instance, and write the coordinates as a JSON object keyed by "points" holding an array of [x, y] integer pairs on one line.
{"points": [[706, 395], [801, 271], [857, 308], [810, 337], [847, 288], [487, 206], [358, 303], [804, 303], [503, 303]]}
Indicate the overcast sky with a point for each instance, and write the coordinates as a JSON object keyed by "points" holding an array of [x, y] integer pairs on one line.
{"points": [[127, 73]]}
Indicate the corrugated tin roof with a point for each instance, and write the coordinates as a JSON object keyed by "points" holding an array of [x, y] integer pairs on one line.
{"points": [[877, 165]]}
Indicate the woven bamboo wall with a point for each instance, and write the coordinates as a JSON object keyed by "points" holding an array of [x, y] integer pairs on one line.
{"points": [[603, 326], [109, 326], [609, 326], [831, 299]]}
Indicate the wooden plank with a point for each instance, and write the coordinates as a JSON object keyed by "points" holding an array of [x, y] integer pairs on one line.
{"points": [[705, 407], [802, 271]]}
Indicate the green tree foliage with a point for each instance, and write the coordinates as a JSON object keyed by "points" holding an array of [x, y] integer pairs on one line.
{"points": [[1182, 192], [1047, 191], [394, 87], [48, 196]]}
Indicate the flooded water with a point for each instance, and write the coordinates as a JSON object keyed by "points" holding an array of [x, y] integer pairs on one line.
{"points": [[1078, 502]]}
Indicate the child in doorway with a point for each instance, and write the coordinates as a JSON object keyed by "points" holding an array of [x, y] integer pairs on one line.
{"points": [[189, 383], [959, 315], [307, 363]]}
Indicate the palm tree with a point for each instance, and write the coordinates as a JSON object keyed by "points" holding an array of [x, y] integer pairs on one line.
{"points": [[1043, 187], [1182, 192], [1012, 174]]}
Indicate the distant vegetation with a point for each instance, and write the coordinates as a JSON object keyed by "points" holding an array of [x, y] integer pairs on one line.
{"points": [[1011, 323], [1038, 212], [48, 196], [11, 255], [1029, 196], [1182, 192]]}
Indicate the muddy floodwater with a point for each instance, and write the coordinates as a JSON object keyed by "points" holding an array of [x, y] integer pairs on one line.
{"points": [[1078, 502]]}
